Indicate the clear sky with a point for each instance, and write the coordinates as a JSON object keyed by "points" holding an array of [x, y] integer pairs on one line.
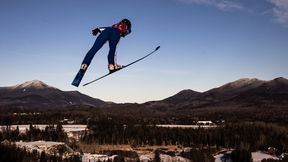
{"points": [[204, 44]]}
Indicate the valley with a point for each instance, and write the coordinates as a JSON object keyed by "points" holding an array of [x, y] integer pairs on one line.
{"points": [[246, 119]]}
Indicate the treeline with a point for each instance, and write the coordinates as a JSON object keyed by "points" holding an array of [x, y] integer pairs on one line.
{"points": [[254, 136], [44, 116], [12, 153], [50, 133], [143, 113]]}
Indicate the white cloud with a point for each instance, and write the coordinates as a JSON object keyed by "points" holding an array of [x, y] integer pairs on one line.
{"points": [[224, 5], [280, 11], [229, 5], [278, 8]]}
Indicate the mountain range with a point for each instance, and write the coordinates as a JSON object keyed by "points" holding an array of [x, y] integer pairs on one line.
{"points": [[36, 94], [242, 93]]}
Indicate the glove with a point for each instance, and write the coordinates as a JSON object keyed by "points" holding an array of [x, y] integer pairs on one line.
{"points": [[95, 31]]}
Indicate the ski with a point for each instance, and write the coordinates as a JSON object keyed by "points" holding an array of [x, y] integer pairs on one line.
{"points": [[78, 78], [125, 66]]}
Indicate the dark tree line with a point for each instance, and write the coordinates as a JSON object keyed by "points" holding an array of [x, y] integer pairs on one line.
{"points": [[50, 133], [241, 155], [256, 136], [42, 116], [10, 152]]}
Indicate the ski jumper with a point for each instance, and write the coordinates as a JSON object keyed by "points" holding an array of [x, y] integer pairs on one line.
{"points": [[110, 34]]}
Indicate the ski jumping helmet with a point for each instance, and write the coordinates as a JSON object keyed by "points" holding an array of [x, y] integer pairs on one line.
{"points": [[127, 23], [124, 27]]}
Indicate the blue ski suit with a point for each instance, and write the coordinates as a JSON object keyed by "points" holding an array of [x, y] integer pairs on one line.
{"points": [[110, 34]]}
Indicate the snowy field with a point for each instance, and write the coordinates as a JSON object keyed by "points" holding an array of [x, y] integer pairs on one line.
{"points": [[143, 158], [79, 127], [66, 128], [259, 155], [219, 157], [185, 126], [256, 156], [87, 157], [49, 147]]}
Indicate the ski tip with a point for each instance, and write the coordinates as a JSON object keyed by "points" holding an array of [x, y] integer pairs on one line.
{"points": [[75, 84], [157, 48]]}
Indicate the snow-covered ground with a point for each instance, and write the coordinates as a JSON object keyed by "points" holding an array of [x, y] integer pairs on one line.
{"points": [[49, 147], [87, 157], [185, 126], [143, 158], [259, 155], [256, 156], [168, 158], [66, 128], [73, 131], [79, 127], [146, 157], [218, 157]]}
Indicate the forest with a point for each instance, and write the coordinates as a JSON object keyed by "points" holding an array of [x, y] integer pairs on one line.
{"points": [[251, 135], [244, 137], [10, 152], [244, 133]]}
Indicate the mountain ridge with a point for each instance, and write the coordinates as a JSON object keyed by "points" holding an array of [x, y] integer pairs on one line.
{"points": [[245, 91], [36, 93]]}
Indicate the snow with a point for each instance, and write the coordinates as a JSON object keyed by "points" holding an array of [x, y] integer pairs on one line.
{"points": [[67, 128], [259, 155], [38, 144], [49, 147], [33, 83], [165, 158], [73, 131], [185, 126], [168, 158], [218, 157], [74, 128], [146, 157], [87, 157], [243, 82], [78, 127], [256, 156]]}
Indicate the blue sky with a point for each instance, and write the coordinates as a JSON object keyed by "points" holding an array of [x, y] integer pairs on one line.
{"points": [[204, 44]]}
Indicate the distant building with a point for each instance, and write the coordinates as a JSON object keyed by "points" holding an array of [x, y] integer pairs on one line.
{"points": [[67, 121]]}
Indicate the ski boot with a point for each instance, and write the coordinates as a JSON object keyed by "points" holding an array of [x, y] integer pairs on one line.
{"points": [[112, 68]]}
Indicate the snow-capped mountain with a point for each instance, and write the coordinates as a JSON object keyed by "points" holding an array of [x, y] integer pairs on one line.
{"points": [[36, 84], [36, 94], [240, 93], [243, 91]]}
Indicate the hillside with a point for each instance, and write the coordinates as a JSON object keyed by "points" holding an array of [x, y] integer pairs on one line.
{"points": [[248, 99], [242, 91], [36, 94]]}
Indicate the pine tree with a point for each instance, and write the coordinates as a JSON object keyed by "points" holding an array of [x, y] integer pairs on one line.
{"points": [[43, 157], [157, 156]]}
